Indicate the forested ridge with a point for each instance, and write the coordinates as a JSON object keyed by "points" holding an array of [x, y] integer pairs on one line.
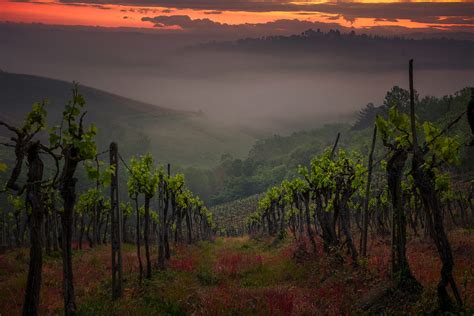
{"points": [[335, 50], [368, 218]]}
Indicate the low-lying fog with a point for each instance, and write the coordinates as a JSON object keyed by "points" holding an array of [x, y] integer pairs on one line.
{"points": [[270, 91]]}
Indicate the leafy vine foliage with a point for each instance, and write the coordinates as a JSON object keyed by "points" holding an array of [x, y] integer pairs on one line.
{"points": [[326, 199], [145, 180], [59, 216], [321, 196]]}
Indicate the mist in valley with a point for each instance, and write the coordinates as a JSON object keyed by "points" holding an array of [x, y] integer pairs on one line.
{"points": [[260, 91]]}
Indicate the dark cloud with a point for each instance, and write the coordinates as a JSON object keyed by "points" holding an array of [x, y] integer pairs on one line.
{"points": [[333, 18], [283, 26], [406, 7], [385, 20], [217, 5], [97, 6], [185, 22], [212, 12], [450, 20], [145, 10], [91, 4], [414, 11], [457, 13], [286, 26]]}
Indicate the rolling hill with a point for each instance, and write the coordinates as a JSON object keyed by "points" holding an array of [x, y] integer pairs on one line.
{"points": [[178, 137]]}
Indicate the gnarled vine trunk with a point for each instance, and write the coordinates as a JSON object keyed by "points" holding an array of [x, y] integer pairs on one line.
{"points": [[400, 268], [424, 180], [68, 194], [138, 239], [34, 197], [147, 237], [309, 230]]}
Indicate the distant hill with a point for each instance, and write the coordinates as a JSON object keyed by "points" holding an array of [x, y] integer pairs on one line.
{"points": [[178, 137], [335, 50]]}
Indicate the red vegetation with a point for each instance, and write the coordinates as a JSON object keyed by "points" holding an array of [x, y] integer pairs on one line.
{"points": [[425, 263], [232, 264], [186, 263], [280, 302], [252, 280], [242, 301]]}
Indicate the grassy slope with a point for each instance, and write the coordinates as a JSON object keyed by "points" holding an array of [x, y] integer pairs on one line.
{"points": [[235, 276], [177, 137]]}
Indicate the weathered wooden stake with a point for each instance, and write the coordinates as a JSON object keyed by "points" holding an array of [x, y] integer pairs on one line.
{"points": [[412, 106], [116, 227]]}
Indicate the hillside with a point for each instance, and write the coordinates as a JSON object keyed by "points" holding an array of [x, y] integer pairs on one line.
{"points": [[178, 137], [275, 158], [230, 217]]}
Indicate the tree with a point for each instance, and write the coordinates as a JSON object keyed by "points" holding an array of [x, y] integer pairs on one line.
{"points": [[366, 117], [431, 181], [26, 145], [395, 133], [75, 144], [127, 211], [333, 178], [175, 186], [98, 205], [400, 98], [144, 179], [437, 151]]}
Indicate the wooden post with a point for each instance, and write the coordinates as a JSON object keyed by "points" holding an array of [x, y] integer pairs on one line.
{"points": [[116, 226], [165, 217], [365, 223], [4, 230], [412, 106], [161, 224]]}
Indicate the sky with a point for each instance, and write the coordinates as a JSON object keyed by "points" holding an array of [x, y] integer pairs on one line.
{"points": [[160, 52], [218, 15]]}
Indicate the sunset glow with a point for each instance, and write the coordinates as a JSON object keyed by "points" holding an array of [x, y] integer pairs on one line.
{"points": [[113, 15]]}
